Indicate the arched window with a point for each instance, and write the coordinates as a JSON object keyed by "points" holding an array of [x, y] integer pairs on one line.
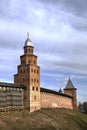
{"points": [[36, 88], [21, 71], [27, 69], [33, 88], [31, 70], [34, 61]]}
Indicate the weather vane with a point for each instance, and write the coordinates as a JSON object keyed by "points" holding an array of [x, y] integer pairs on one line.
{"points": [[28, 34]]}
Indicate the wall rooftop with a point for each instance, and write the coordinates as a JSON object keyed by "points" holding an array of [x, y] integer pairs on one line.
{"points": [[4, 84]]}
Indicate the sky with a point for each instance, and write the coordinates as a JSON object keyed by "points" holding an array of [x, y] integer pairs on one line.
{"points": [[58, 31]]}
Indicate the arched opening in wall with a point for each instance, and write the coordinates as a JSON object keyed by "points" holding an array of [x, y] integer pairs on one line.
{"points": [[37, 72], [34, 62], [33, 88], [27, 69], [34, 80], [36, 88], [31, 70], [21, 71]]}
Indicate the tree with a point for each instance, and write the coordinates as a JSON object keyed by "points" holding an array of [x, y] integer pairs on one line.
{"points": [[82, 107], [85, 107]]}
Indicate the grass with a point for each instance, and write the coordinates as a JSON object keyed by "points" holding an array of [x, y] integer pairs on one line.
{"points": [[44, 119]]}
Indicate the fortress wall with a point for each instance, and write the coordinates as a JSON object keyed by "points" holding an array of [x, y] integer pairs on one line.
{"points": [[50, 100], [11, 98]]}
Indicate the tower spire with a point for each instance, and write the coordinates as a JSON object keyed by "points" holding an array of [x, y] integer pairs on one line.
{"points": [[28, 35], [28, 42]]}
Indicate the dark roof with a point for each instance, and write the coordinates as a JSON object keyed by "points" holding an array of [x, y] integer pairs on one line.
{"points": [[54, 92], [60, 90], [69, 85], [29, 55], [3, 84]]}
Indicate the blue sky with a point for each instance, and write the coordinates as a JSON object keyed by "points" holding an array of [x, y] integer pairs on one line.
{"points": [[58, 30]]}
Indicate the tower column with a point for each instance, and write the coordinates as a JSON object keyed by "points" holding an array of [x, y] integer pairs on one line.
{"points": [[28, 74], [71, 91]]}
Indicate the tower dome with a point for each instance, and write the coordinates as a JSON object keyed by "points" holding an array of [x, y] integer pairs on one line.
{"points": [[28, 42]]}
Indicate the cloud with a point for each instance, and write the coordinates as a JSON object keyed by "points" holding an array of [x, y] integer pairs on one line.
{"points": [[75, 11], [77, 7], [58, 30]]}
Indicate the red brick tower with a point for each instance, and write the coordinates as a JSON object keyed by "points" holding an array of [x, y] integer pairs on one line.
{"points": [[71, 90], [28, 74]]}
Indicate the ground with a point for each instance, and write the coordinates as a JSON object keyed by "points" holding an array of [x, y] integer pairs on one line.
{"points": [[44, 119]]}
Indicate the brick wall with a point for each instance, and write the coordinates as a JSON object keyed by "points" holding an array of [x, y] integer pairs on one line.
{"points": [[49, 100]]}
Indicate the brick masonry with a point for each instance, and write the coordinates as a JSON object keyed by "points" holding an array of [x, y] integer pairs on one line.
{"points": [[49, 100]]}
